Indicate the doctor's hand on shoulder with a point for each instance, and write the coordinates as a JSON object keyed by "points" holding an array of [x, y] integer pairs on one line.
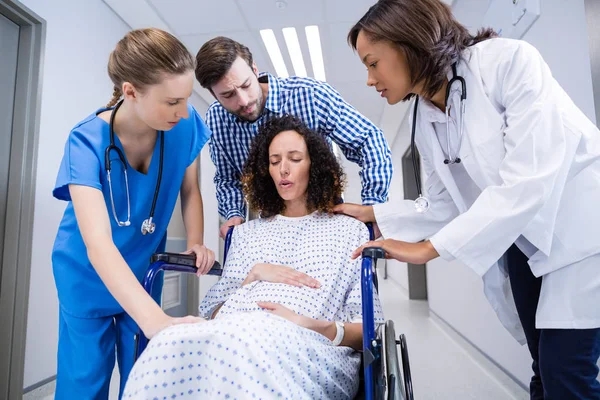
{"points": [[414, 253]]}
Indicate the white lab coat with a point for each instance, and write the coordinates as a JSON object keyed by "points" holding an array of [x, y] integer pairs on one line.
{"points": [[536, 158]]}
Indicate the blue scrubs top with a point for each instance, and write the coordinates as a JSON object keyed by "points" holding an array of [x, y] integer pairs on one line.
{"points": [[80, 290]]}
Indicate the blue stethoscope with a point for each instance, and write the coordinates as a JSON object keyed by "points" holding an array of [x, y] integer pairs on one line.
{"points": [[148, 226], [422, 203]]}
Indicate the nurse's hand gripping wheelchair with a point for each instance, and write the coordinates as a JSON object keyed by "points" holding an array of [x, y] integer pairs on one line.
{"points": [[381, 378]]}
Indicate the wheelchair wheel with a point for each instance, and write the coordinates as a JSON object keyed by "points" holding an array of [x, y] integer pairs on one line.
{"points": [[390, 369], [406, 367]]}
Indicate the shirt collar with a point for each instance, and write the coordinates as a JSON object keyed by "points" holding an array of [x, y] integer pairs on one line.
{"points": [[274, 94], [430, 113]]}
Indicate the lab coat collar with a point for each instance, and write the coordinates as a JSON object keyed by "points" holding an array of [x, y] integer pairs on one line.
{"points": [[480, 118]]}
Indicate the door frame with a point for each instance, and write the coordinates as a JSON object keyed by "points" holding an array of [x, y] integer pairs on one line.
{"points": [[16, 260]]}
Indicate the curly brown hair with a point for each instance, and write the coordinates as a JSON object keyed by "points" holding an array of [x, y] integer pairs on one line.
{"points": [[326, 178]]}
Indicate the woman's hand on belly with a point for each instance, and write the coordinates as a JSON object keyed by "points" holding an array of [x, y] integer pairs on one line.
{"points": [[353, 331], [280, 274], [284, 312]]}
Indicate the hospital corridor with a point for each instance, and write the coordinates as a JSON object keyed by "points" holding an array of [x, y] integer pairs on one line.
{"points": [[194, 195]]}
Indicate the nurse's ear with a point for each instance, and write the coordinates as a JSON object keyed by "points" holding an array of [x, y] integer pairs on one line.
{"points": [[129, 91]]}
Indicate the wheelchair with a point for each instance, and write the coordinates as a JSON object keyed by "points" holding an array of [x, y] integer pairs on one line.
{"points": [[382, 378]]}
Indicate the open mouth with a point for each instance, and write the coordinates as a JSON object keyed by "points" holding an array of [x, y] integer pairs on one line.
{"points": [[249, 109], [285, 184]]}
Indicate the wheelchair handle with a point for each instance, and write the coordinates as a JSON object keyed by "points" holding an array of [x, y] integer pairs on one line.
{"points": [[227, 243], [373, 252], [368, 279]]}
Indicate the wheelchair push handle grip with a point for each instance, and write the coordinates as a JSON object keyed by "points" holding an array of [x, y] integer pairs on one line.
{"points": [[373, 252], [183, 263], [216, 269]]}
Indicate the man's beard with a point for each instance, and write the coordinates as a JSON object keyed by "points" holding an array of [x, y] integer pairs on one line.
{"points": [[255, 114]]}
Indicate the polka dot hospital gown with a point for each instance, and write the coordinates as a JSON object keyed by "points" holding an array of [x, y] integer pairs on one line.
{"points": [[247, 353]]}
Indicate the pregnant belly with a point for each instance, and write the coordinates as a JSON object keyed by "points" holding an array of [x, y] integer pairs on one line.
{"points": [[314, 303]]}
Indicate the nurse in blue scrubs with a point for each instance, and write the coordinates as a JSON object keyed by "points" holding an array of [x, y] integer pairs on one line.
{"points": [[103, 246]]}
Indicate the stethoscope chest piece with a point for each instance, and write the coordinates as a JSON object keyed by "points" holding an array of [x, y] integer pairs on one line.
{"points": [[148, 226], [421, 204]]}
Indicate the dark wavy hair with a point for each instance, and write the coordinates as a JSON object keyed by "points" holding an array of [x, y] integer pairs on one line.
{"points": [[431, 38], [326, 177]]}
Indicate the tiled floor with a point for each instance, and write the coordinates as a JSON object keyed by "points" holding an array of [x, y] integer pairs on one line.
{"points": [[443, 365]]}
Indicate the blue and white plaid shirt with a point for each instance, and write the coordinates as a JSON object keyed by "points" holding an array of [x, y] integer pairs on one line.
{"points": [[319, 106]]}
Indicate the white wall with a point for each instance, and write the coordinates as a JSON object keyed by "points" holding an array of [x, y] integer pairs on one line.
{"points": [[79, 38], [455, 291], [561, 36]]}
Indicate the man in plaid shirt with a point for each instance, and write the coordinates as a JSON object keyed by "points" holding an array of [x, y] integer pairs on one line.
{"points": [[246, 98]]}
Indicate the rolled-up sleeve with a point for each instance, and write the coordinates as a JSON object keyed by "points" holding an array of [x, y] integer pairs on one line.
{"points": [[360, 141]]}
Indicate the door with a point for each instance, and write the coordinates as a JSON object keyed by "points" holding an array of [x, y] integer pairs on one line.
{"points": [[417, 273], [175, 287], [22, 36], [9, 46]]}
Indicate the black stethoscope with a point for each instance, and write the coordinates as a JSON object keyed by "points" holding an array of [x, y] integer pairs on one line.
{"points": [[147, 226], [422, 203]]}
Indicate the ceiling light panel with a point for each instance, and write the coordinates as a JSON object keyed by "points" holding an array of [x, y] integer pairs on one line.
{"points": [[268, 37], [316, 55], [293, 46]]}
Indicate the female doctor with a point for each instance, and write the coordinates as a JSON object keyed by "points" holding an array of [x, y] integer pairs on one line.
{"points": [[122, 171], [511, 184]]}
